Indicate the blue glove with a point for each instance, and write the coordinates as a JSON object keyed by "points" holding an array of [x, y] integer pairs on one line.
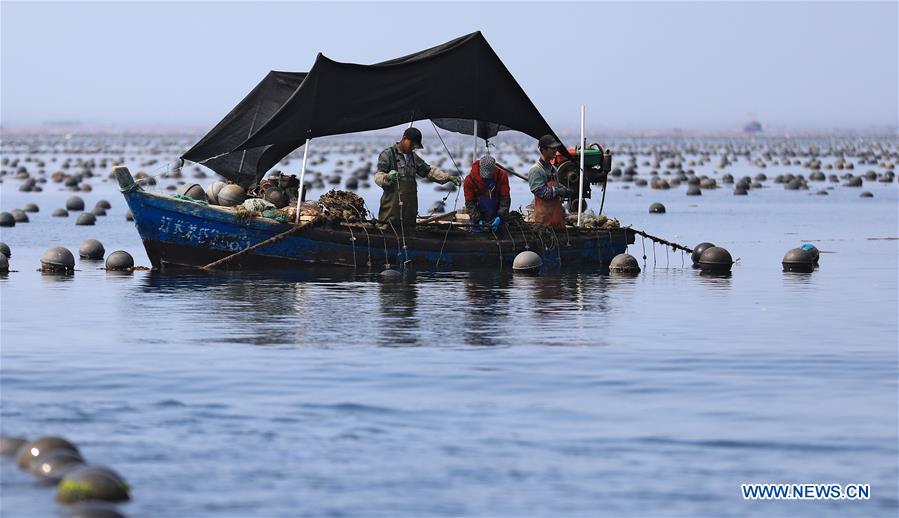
{"points": [[495, 224]]}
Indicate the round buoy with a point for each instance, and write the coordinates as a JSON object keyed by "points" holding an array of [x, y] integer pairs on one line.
{"points": [[57, 260], [54, 464], [697, 252], [119, 260], [812, 249], [104, 204], [10, 445], [31, 207], [4, 264], [192, 190], [75, 203], [19, 215], [4, 249], [276, 197], [92, 483], [32, 450], [91, 249], [391, 275], [98, 211], [694, 190], [86, 218], [7, 220], [624, 263], [798, 260], [866, 194], [657, 208], [527, 262], [855, 181], [212, 192], [60, 213], [715, 260], [741, 190], [129, 216], [231, 195]]}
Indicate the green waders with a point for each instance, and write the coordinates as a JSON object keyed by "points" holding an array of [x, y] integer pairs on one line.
{"points": [[407, 190]]}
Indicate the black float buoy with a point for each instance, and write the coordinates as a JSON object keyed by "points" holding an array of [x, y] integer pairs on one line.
{"points": [[31, 207], [4, 249], [129, 216], [656, 208], [866, 194], [391, 275], [697, 252], [4, 264], [19, 215], [694, 190], [75, 203], [98, 211], [103, 203], [10, 445], [740, 190], [231, 195], [57, 260], [624, 263], [798, 260], [92, 483], [715, 260], [91, 249], [7, 220], [119, 260], [212, 192], [60, 213], [32, 450], [192, 190], [812, 249], [86, 218], [527, 262]]}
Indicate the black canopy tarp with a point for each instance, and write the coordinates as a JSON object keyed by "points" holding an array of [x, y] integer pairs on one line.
{"points": [[453, 84], [257, 108]]}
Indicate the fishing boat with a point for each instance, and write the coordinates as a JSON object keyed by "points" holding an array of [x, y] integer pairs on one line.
{"points": [[446, 84]]}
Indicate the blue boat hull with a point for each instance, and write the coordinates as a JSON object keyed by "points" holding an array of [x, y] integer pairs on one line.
{"points": [[180, 233]]}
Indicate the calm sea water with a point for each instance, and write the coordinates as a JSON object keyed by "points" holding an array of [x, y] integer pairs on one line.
{"points": [[470, 394]]}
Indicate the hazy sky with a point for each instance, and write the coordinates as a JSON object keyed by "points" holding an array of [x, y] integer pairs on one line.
{"points": [[650, 65]]}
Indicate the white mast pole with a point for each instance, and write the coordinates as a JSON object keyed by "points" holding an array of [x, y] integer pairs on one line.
{"points": [[302, 178], [580, 198]]}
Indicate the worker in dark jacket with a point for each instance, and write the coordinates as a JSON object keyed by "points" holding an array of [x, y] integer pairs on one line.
{"points": [[398, 166], [487, 197], [543, 182]]}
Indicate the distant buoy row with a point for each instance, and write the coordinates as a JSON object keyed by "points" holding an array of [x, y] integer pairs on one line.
{"points": [[55, 460]]}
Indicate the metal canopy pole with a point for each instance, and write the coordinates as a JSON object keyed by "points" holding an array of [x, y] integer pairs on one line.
{"points": [[580, 198], [474, 155], [302, 179]]}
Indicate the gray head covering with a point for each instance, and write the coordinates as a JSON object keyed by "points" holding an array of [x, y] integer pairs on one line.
{"points": [[487, 166]]}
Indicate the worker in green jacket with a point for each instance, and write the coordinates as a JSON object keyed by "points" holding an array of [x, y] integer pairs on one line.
{"points": [[398, 166]]}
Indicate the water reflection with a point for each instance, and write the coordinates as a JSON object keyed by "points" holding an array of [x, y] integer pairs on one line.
{"points": [[487, 308], [399, 322]]}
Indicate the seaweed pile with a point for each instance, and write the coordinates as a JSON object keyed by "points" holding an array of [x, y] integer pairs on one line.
{"points": [[343, 206]]}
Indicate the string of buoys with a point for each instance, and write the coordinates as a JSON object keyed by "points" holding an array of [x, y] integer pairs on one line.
{"points": [[90, 490]]}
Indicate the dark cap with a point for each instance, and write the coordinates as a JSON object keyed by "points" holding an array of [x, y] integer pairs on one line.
{"points": [[548, 141], [414, 136]]}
